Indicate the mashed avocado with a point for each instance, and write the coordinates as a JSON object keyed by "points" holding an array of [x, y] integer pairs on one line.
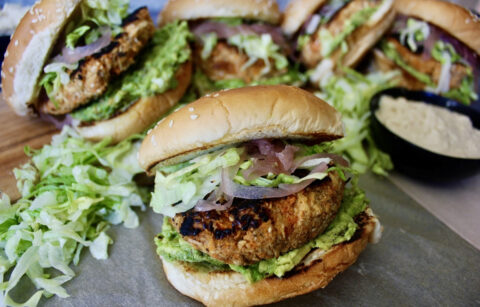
{"points": [[152, 74], [172, 247]]}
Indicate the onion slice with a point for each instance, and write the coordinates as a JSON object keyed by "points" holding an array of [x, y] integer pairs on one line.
{"points": [[71, 56], [230, 188]]}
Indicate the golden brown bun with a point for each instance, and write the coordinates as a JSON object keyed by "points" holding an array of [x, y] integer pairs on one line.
{"points": [[232, 289], [141, 115], [29, 48], [239, 115], [454, 19], [263, 10], [297, 13]]}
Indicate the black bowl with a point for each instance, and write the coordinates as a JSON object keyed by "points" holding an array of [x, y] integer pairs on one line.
{"points": [[4, 40], [414, 160]]}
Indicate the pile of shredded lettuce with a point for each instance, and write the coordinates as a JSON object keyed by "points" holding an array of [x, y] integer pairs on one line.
{"points": [[72, 191], [350, 94]]}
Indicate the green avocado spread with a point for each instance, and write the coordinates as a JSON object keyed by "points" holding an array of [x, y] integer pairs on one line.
{"points": [[152, 74], [172, 247]]}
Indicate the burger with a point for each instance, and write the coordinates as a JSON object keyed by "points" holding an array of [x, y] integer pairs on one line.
{"points": [[435, 45], [91, 64], [331, 34], [256, 208], [236, 43]]}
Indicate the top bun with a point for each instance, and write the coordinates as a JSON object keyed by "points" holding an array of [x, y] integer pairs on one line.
{"points": [[239, 115], [297, 13], [454, 19], [29, 49], [263, 10]]}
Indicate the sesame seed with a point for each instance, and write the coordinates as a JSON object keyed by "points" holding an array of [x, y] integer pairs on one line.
{"points": [[149, 131], [16, 42], [3, 74], [170, 124], [152, 139], [216, 95], [6, 54], [34, 20], [32, 32], [194, 116], [190, 109], [10, 69]]}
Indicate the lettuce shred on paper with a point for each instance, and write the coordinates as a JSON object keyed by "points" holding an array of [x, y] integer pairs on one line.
{"points": [[72, 191], [350, 94]]}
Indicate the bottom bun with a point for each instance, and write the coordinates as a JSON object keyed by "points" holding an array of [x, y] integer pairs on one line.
{"points": [[142, 114], [316, 271]]}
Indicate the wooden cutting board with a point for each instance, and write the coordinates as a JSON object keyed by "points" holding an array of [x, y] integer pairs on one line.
{"points": [[15, 133]]}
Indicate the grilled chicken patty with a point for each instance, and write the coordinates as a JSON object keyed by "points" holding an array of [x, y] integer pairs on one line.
{"points": [[91, 78], [227, 62], [253, 230]]}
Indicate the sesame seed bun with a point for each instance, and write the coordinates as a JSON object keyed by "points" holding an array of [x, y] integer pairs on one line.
{"points": [[239, 115], [262, 10], [297, 12]]}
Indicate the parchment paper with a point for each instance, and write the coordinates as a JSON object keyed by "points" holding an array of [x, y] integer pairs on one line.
{"points": [[418, 262], [455, 203]]}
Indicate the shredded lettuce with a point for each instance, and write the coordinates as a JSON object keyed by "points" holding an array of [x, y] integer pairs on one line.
{"points": [[446, 54], [416, 31], [172, 247], [209, 42], [179, 187], [350, 94], [259, 48], [153, 73], [96, 14], [72, 191]]}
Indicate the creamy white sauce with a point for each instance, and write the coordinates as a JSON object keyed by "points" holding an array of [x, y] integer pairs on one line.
{"points": [[431, 127]]}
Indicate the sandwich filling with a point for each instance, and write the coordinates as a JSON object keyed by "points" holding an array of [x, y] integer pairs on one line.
{"points": [[259, 208], [153, 73], [326, 31], [432, 59], [233, 52]]}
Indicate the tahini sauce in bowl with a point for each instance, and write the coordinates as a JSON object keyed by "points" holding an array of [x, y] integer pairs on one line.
{"points": [[431, 127]]}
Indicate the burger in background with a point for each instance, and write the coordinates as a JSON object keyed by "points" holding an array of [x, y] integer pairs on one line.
{"points": [[237, 43], [436, 47], [10, 16], [331, 34], [257, 209], [93, 65]]}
